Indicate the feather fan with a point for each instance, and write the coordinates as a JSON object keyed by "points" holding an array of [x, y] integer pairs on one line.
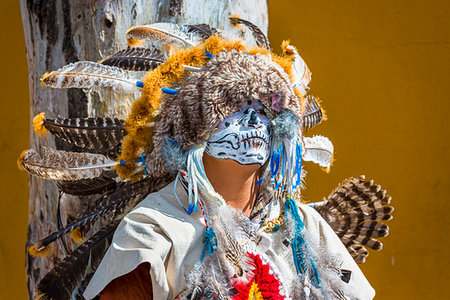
{"points": [[65, 278], [87, 74], [313, 113], [167, 33], [62, 165], [300, 71], [355, 210], [136, 59], [260, 37], [100, 135], [319, 150]]}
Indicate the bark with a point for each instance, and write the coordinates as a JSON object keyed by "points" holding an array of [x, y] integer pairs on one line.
{"points": [[58, 32]]}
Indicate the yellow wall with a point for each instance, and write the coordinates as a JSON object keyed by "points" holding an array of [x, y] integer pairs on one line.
{"points": [[380, 68]]}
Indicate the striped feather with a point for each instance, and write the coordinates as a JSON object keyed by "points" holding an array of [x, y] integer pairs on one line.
{"points": [[136, 59], [355, 210], [204, 30], [167, 33], [260, 37], [62, 165], [101, 135], [313, 113], [87, 74], [107, 181], [65, 278]]}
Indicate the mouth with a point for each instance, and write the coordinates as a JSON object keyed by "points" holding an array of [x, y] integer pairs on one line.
{"points": [[253, 139]]}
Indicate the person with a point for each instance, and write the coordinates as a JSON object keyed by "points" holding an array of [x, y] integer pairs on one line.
{"points": [[229, 137], [240, 241]]}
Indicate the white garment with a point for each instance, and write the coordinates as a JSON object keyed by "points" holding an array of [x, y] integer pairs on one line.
{"points": [[160, 232]]}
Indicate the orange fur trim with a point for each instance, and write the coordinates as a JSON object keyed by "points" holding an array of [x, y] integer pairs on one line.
{"points": [[38, 124], [76, 236]]}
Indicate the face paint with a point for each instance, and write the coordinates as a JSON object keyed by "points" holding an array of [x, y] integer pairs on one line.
{"points": [[243, 137]]}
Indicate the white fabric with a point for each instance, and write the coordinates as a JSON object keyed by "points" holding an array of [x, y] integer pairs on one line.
{"points": [[160, 232]]}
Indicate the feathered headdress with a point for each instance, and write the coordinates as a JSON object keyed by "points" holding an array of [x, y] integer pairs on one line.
{"points": [[199, 79]]}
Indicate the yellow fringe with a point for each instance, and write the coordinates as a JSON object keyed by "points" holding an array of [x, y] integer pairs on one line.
{"points": [[20, 159], [132, 43], [76, 236], [38, 124], [45, 76], [144, 109], [255, 293], [234, 24], [39, 253]]}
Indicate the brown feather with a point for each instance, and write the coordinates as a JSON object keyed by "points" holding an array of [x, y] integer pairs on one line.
{"points": [[100, 135], [58, 165], [260, 37], [136, 59], [355, 210]]}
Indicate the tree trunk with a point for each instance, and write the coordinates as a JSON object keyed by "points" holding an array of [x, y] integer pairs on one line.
{"points": [[58, 32]]}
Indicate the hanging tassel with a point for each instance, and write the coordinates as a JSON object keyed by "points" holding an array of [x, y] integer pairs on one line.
{"points": [[210, 243], [286, 165], [298, 243]]}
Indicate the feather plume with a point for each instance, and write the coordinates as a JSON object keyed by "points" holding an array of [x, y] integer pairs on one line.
{"points": [[107, 181], [355, 210], [300, 71], [136, 59], [101, 135], [63, 279], [62, 165], [260, 37], [87, 74], [319, 150], [313, 113], [167, 33]]}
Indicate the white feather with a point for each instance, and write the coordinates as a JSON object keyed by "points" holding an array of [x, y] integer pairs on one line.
{"points": [[300, 71], [87, 74], [319, 150], [165, 33]]}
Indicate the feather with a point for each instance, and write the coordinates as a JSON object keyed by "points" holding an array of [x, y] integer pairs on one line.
{"points": [[111, 203], [167, 33], [204, 30], [319, 150], [101, 135], [260, 37], [136, 59], [300, 71], [313, 113], [107, 181], [62, 165], [355, 210], [63, 279], [87, 74]]}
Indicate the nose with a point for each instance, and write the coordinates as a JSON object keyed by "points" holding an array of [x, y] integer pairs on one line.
{"points": [[253, 118]]}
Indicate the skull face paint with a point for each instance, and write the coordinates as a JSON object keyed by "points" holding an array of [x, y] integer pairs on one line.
{"points": [[243, 137]]}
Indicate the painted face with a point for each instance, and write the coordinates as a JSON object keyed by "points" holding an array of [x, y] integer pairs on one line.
{"points": [[243, 137]]}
